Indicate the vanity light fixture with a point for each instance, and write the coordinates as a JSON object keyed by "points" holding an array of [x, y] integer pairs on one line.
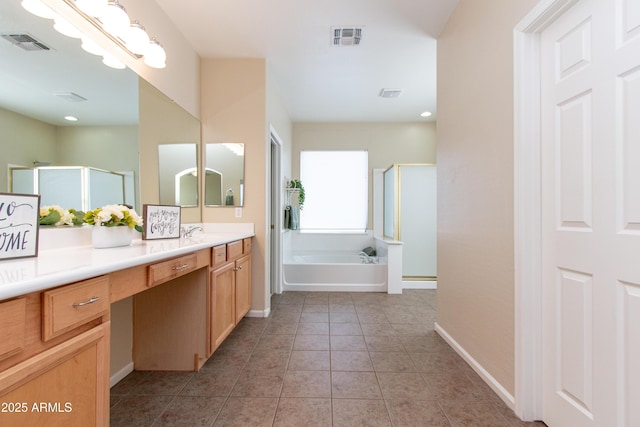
{"points": [[111, 19]]}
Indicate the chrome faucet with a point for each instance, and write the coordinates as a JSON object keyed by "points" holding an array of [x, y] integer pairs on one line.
{"points": [[366, 259], [187, 232]]}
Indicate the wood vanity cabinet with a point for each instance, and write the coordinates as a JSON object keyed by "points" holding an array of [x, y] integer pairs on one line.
{"points": [[54, 367], [229, 294]]}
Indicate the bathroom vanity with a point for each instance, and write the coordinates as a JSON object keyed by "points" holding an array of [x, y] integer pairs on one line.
{"points": [[188, 295]]}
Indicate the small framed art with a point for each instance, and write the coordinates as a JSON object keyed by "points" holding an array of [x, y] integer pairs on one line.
{"points": [[161, 222], [19, 222]]}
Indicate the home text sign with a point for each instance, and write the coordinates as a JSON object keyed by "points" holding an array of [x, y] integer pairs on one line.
{"points": [[161, 222], [19, 220]]}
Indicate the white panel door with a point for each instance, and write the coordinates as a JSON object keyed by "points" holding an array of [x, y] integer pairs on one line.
{"points": [[591, 215]]}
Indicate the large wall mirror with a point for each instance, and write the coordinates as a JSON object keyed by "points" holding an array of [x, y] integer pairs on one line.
{"points": [[44, 81], [121, 118], [224, 174]]}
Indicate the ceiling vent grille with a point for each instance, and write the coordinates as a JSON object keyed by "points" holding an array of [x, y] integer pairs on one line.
{"points": [[25, 42], [70, 96], [350, 36], [390, 93]]}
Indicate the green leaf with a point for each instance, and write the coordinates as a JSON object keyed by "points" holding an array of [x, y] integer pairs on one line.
{"points": [[50, 219]]}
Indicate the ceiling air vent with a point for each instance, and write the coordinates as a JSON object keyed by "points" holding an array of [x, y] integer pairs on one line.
{"points": [[350, 36], [70, 96], [390, 93], [25, 42]]}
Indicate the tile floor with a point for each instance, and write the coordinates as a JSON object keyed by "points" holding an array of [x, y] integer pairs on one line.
{"points": [[322, 359]]}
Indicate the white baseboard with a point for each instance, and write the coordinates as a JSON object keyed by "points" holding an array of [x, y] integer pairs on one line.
{"points": [[259, 313], [119, 376], [419, 284], [507, 397]]}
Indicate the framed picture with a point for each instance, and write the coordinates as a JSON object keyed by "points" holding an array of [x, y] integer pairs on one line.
{"points": [[19, 221], [161, 222]]}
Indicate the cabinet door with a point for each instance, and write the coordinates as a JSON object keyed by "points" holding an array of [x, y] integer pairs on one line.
{"points": [[222, 304], [243, 287], [66, 385]]}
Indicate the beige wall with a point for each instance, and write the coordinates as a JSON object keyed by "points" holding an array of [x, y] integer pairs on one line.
{"points": [[387, 143], [234, 110], [475, 181]]}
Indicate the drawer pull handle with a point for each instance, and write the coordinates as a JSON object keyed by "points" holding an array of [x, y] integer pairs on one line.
{"points": [[181, 267], [237, 268], [87, 302]]}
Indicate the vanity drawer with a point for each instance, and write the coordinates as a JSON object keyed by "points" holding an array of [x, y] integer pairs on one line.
{"points": [[234, 250], [167, 270], [246, 246], [219, 255], [13, 317], [73, 305]]}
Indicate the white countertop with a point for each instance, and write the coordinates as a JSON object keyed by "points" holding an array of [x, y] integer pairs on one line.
{"points": [[57, 264]]}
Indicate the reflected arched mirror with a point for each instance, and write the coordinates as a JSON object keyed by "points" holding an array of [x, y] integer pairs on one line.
{"points": [[178, 174], [224, 178]]}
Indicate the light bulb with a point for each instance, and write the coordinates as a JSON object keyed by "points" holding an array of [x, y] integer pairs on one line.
{"points": [[111, 61], [38, 8], [136, 38], [115, 19], [90, 46], [155, 56], [63, 26]]}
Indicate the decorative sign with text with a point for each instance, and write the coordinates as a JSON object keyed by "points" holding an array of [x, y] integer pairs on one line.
{"points": [[19, 220], [161, 222]]}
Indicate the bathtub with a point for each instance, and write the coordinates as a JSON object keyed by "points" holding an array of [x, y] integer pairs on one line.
{"points": [[333, 271]]}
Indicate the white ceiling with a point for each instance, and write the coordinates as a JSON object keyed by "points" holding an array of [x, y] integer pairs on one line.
{"points": [[318, 82]]}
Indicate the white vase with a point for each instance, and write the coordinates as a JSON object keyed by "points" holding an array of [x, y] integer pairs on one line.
{"points": [[111, 237]]}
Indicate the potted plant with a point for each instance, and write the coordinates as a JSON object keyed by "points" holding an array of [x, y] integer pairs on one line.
{"points": [[113, 225], [297, 184]]}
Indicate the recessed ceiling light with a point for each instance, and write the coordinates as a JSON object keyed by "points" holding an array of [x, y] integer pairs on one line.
{"points": [[71, 118], [426, 114]]}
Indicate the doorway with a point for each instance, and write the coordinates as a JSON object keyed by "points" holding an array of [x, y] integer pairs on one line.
{"points": [[275, 215], [577, 98]]}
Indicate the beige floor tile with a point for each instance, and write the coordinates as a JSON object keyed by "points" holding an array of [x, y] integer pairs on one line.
{"points": [[389, 361], [309, 361], [303, 412], [473, 414], [347, 342], [345, 329], [307, 328], [247, 411], [190, 411], [138, 410], [404, 385], [350, 361], [258, 384], [359, 412], [307, 384], [274, 360], [382, 329], [416, 413], [383, 343], [355, 385], [311, 342], [307, 317], [341, 308], [164, 383], [315, 308], [275, 342]]}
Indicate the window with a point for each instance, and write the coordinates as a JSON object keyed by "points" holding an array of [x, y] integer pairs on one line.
{"points": [[336, 187]]}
